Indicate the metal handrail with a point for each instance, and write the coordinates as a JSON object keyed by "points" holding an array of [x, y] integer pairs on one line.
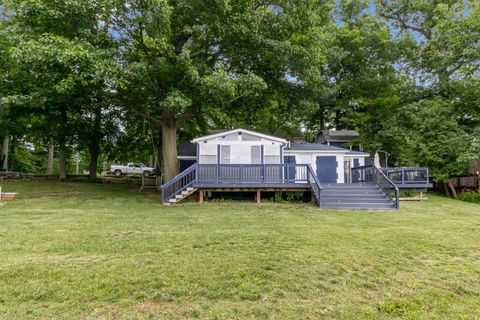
{"points": [[316, 185], [396, 201], [179, 183]]}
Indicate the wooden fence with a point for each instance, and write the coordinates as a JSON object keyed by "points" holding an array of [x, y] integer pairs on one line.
{"points": [[465, 182]]}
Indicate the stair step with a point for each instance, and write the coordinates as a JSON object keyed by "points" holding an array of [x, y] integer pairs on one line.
{"points": [[184, 194], [353, 193], [381, 202], [357, 205], [354, 198], [348, 185], [363, 196]]}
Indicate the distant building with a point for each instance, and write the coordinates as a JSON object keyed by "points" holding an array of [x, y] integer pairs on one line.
{"points": [[340, 138]]}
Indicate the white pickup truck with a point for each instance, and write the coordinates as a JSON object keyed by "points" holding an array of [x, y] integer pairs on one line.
{"points": [[132, 168]]}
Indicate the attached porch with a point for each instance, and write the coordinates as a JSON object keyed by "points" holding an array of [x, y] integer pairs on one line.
{"points": [[372, 187], [242, 178]]}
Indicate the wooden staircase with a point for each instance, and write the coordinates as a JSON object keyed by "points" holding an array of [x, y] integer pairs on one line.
{"points": [[179, 197], [354, 196]]}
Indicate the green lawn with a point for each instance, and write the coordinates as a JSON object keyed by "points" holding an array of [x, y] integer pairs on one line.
{"points": [[78, 250]]}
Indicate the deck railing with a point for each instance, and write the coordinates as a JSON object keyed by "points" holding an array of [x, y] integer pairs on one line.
{"points": [[178, 184], [261, 174], [252, 173], [407, 175], [315, 184], [399, 176], [378, 176]]}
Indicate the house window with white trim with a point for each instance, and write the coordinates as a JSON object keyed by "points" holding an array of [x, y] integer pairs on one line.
{"points": [[225, 155], [256, 155]]}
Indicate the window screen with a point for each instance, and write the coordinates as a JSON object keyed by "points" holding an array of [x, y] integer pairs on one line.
{"points": [[256, 155], [225, 155]]}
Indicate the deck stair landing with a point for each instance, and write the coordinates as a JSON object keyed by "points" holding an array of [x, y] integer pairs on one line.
{"points": [[354, 196]]}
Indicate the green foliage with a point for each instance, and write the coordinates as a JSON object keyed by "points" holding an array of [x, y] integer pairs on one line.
{"points": [[109, 78], [427, 134], [294, 196], [470, 197]]}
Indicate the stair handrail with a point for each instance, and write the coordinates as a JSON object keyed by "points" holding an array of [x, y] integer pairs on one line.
{"points": [[379, 172], [316, 185], [179, 183]]}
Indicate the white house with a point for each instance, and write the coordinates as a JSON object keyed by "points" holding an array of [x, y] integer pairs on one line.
{"points": [[246, 147], [246, 161]]}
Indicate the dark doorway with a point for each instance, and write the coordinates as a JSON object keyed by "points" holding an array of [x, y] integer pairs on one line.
{"points": [[289, 171], [327, 169]]}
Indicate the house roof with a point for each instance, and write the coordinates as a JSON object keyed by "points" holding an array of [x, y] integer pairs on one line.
{"points": [[357, 153], [253, 133], [337, 135], [187, 149], [314, 147]]}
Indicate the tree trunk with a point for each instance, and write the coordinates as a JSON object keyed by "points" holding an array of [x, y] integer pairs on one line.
{"points": [[62, 144], [444, 82], [322, 118], [95, 144], [169, 148], [445, 188], [5, 148], [63, 163], [338, 117], [159, 158], [94, 152], [51, 150], [452, 188]]}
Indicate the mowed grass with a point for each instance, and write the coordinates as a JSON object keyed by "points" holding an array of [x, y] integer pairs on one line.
{"points": [[77, 250]]}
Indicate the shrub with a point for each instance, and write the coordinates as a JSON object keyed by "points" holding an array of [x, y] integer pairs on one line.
{"points": [[294, 196], [470, 197]]}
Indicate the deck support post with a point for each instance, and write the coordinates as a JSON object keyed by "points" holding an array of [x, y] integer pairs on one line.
{"points": [[258, 196], [201, 197]]}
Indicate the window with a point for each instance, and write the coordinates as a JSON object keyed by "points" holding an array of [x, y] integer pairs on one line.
{"points": [[225, 155], [256, 155], [208, 153]]}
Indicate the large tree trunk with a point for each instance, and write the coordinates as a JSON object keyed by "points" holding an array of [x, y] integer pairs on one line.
{"points": [[63, 163], [94, 152], [5, 148], [62, 144], [169, 147], [51, 150], [159, 158], [95, 144]]}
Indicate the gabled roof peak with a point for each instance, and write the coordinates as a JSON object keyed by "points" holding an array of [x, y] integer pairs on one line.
{"points": [[239, 130]]}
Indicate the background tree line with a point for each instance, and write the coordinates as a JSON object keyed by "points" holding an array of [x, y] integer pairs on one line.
{"points": [[123, 80]]}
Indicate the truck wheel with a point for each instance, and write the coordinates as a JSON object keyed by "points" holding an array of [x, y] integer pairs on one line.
{"points": [[118, 172], [146, 173]]}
